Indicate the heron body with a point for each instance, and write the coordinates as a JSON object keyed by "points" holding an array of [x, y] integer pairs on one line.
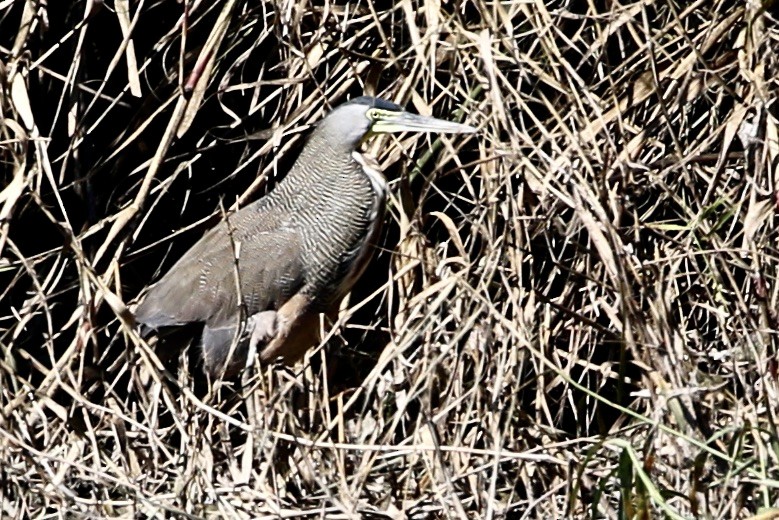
{"points": [[264, 275]]}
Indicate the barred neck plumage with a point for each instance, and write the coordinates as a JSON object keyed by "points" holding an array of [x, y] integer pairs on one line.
{"points": [[322, 164], [335, 202]]}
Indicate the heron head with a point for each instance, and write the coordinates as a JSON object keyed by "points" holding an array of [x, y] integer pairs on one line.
{"points": [[351, 123]]}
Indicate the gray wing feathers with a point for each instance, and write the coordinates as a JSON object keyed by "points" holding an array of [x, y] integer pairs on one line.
{"points": [[201, 286]]}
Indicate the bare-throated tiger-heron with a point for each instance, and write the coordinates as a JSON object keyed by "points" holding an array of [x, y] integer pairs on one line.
{"points": [[262, 277]]}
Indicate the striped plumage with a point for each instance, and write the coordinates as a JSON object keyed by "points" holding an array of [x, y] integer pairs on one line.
{"points": [[298, 251]]}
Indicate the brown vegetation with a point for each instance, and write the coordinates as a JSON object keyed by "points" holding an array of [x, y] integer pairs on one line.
{"points": [[573, 314]]}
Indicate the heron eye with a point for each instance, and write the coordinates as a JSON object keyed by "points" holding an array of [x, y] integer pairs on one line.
{"points": [[372, 114]]}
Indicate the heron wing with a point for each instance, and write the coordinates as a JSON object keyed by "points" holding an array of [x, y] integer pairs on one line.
{"points": [[255, 245]]}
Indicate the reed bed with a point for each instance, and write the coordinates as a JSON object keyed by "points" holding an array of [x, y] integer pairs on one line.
{"points": [[572, 314]]}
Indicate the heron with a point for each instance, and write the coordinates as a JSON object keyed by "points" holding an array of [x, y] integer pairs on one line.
{"points": [[259, 280]]}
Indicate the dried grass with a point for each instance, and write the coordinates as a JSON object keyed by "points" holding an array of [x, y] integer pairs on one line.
{"points": [[574, 314]]}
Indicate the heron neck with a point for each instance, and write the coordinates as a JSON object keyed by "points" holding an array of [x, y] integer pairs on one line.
{"points": [[322, 162]]}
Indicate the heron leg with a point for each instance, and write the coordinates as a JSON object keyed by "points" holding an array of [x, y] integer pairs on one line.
{"points": [[223, 352], [297, 329], [263, 327]]}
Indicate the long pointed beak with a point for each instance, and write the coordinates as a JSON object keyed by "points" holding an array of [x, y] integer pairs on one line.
{"points": [[408, 122]]}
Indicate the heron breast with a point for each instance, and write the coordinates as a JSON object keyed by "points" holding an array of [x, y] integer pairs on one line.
{"points": [[376, 217]]}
